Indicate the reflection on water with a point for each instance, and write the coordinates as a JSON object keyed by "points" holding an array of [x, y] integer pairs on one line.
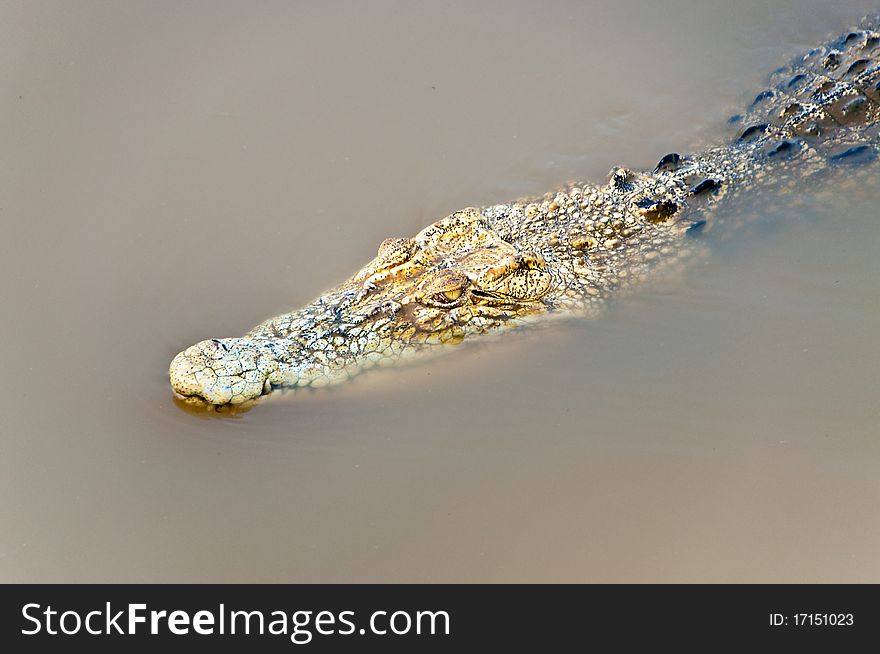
{"points": [[177, 173]]}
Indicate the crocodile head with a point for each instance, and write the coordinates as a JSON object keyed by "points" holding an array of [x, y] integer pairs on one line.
{"points": [[455, 279]]}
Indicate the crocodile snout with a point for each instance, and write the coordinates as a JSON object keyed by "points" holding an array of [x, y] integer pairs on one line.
{"points": [[222, 371]]}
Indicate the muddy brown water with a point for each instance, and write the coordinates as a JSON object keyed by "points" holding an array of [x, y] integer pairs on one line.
{"points": [[173, 172]]}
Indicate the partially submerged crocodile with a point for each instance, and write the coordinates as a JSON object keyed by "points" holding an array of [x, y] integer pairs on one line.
{"points": [[480, 271]]}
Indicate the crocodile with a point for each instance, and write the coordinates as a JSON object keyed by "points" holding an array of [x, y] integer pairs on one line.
{"points": [[482, 271]]}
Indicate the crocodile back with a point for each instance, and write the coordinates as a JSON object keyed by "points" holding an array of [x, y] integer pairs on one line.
{"points": [[826, 102]]}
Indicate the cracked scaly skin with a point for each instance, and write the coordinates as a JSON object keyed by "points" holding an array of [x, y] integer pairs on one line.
{"points": [[482, 271]]}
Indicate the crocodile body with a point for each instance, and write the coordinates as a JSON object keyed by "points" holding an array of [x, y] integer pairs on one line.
{"points": [[482, 271]]}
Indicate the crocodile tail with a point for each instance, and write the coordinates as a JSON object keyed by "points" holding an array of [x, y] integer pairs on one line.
{"points": [[827, 100]]}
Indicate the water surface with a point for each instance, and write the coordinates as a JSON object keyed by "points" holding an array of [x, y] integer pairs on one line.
{"points": [[172, 172]]}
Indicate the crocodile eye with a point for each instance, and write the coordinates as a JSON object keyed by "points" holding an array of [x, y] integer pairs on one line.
{"points": [[443, 288], [444, 299]]}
